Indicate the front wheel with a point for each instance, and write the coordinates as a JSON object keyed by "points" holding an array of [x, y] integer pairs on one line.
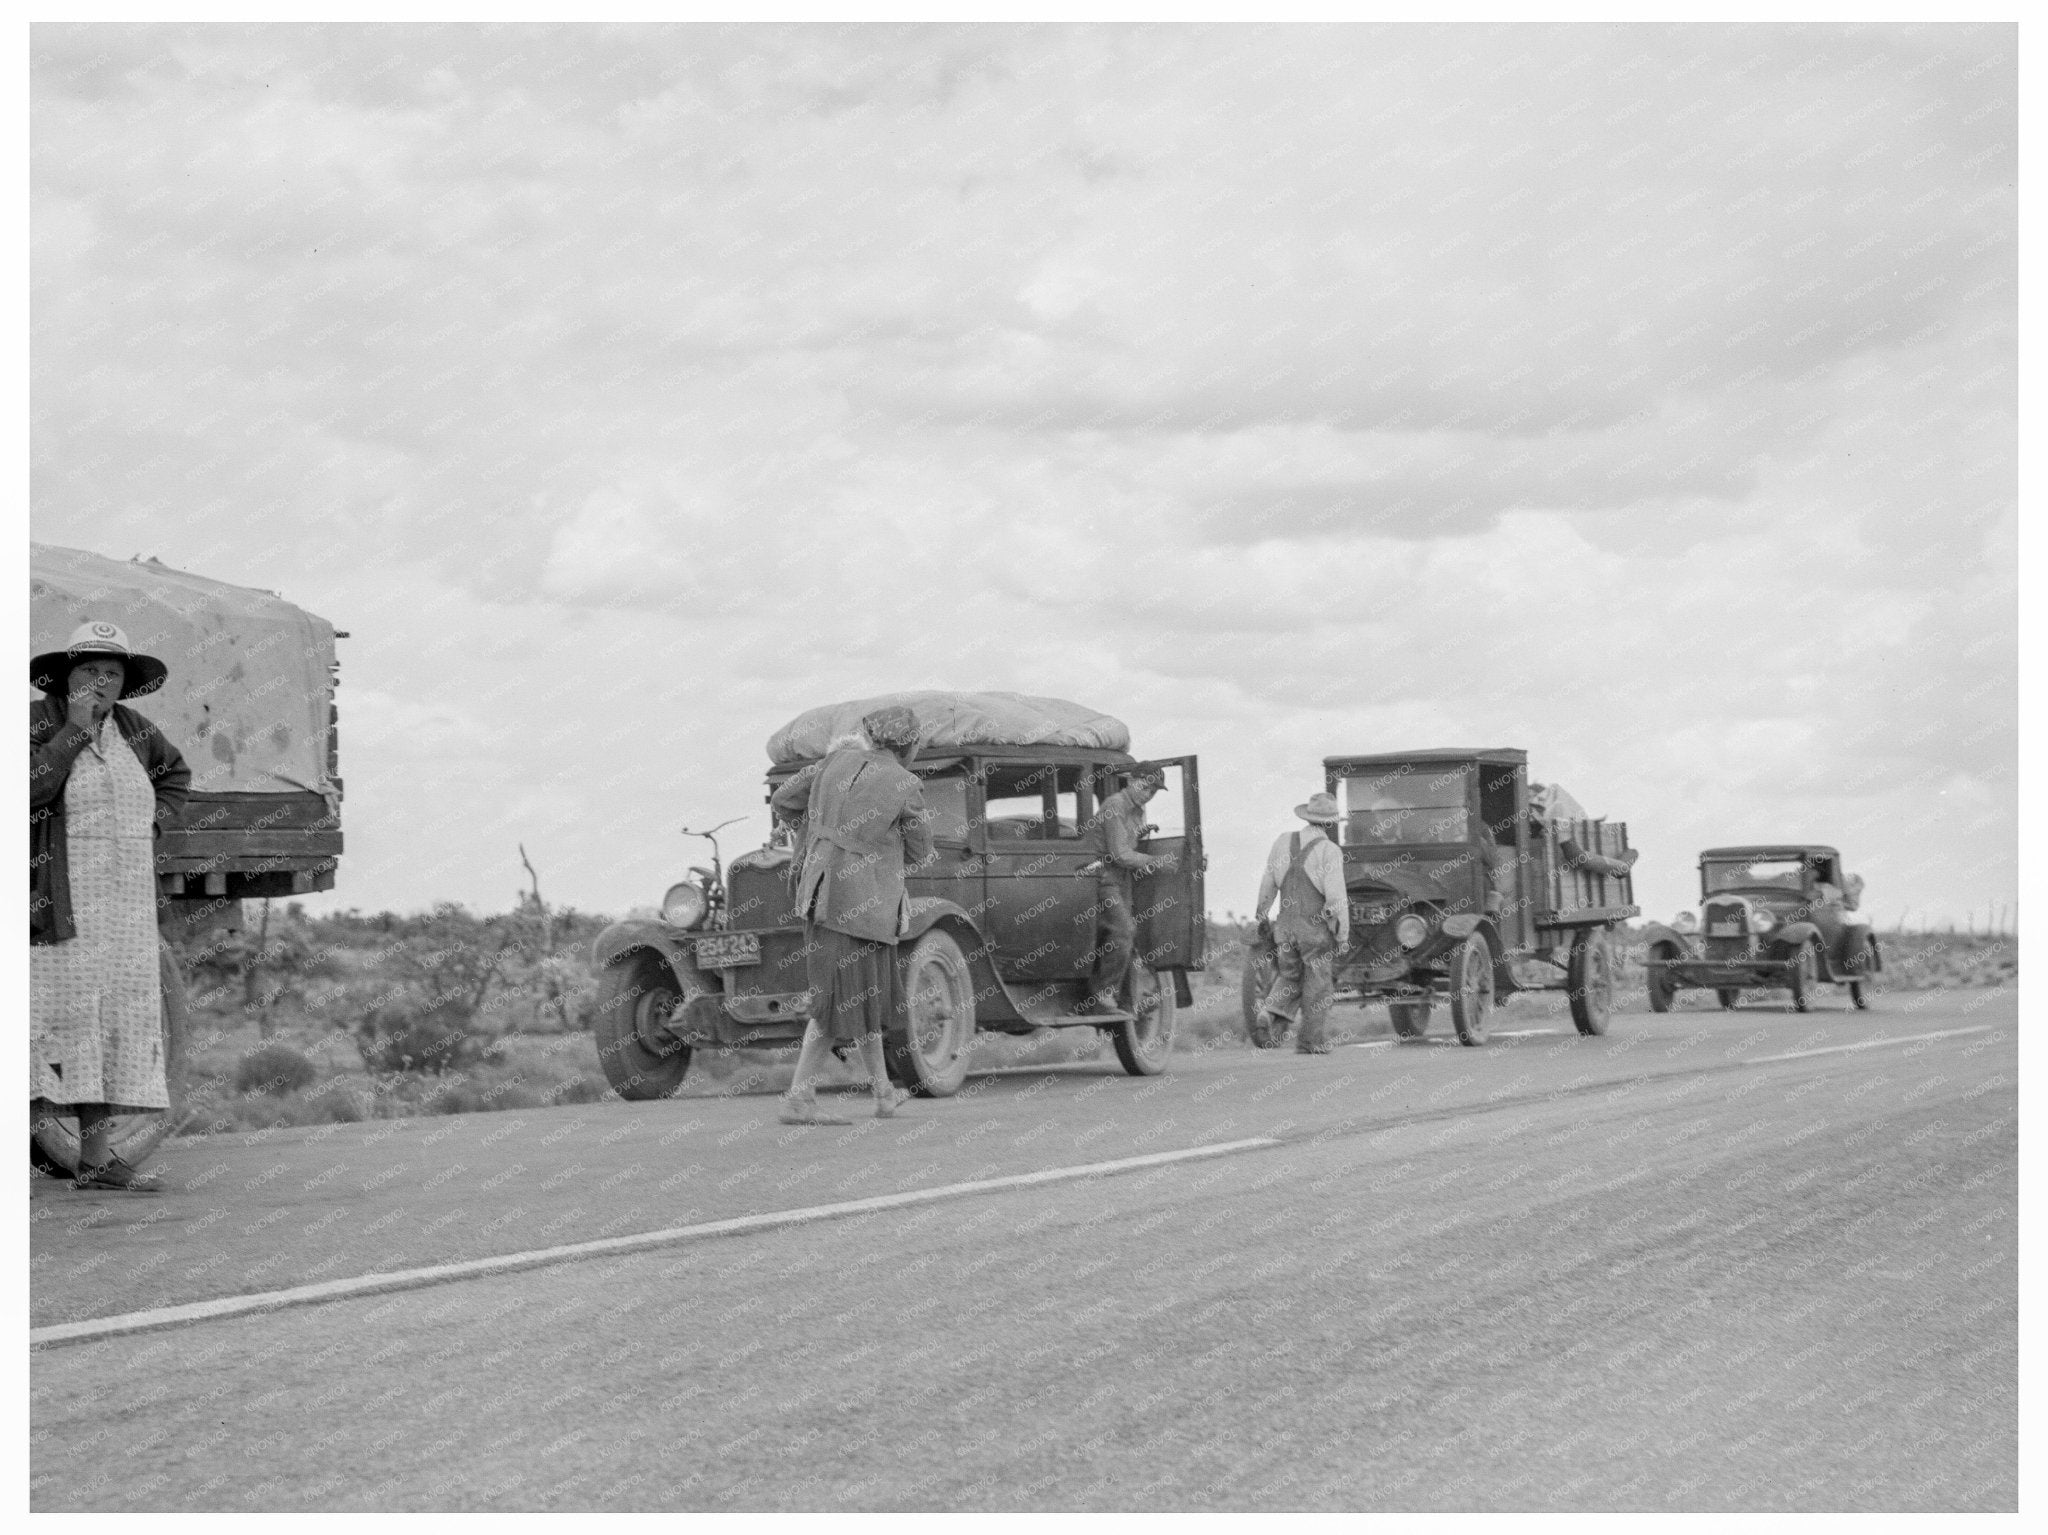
{"points": [[1260, 967], [1860, 990], [1144, 1042], [1663, 989], [1472, 990], [1590, 977], [1410, 1020], [1805, 974], [928, 1052], [53, 1143], [635, 1000]]}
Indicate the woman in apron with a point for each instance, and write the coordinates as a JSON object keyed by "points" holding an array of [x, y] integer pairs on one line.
{"points": [[102, 781]]}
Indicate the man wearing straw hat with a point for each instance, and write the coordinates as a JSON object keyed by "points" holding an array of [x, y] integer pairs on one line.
{"points": [[1306, 871]]}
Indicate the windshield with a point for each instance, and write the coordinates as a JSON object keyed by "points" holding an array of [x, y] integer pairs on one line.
{"points": [[1761, 873], [1406, 805]]}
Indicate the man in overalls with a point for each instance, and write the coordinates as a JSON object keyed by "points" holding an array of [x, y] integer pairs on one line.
{"points": [[1306, 870]]}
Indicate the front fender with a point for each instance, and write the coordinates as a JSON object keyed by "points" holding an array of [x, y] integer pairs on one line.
{"points": [[678, 949], [1655, 933], [926, 912], [1787, 941]]}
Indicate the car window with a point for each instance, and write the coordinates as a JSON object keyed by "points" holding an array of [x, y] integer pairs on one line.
{"points": [[945, 803], [1756, 874], [1031, 802], [1396, 805]]}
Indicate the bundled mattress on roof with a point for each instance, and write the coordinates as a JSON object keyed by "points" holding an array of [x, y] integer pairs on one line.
{"points": [[953, 721], [246, 700]]}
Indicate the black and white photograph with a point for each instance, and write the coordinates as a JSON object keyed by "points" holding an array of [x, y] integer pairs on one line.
{"points": [[834, 767]]}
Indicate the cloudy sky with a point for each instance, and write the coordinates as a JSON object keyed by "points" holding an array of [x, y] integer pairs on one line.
{"points": [[1643, 397]]}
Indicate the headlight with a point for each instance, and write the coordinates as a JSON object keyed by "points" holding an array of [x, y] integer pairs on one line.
{"points": [[683, 906], [1761, 921], [1410, 931]]}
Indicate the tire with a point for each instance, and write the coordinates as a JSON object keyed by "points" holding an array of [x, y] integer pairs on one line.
{"points": [[53, 1143], [1805, 974], [1472, 989], [1663, 990], [1728, 996], [1145, 1043], [928, 1052], [1410, 1020], [1259, 969], [1860, 990], [1590, 977], [641, 1059]]}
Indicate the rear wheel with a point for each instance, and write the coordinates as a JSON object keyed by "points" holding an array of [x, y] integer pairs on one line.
{"points": [[1590, 977], [1728, 996], [635, 999], [1410, 1019], [1145, 1041], [928, 1053], [1472, 990], [1805, 973], [53, 1143], [1259, 970], [1663, 989]]}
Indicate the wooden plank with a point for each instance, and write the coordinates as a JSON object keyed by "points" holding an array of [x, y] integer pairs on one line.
{"points": [[274, 843], [1589, 916], [255, 812]]}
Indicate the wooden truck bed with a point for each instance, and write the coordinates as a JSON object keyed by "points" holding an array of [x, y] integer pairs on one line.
{"points": [[246, 846], [1572, 894]]}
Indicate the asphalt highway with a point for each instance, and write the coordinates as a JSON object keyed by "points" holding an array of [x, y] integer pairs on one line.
{"points": [[1711, 1261]]}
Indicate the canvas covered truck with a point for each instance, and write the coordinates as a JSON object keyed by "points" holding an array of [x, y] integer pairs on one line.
{"points": [[1002, 922], [250, 705], [1468, 883]]}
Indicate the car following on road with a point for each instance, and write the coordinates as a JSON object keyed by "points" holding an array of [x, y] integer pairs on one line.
{"points": [[1779, 915], [1468, 883], [1001, 934]]}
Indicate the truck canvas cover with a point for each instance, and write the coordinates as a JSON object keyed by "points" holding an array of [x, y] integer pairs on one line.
{"points": [[250, 683], [956, 720]]}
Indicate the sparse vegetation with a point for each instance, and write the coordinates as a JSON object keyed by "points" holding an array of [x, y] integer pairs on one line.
{"points": [[353, 1017]]}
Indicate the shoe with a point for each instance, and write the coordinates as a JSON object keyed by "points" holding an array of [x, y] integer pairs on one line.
{"points": [[805, 1111], [1098, 1003], [1300, 1049], [885, 1108], [115, 1176]]}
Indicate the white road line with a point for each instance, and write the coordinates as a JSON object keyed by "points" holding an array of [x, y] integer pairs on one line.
{"points": [[1864, 1044], [412, 1279]]}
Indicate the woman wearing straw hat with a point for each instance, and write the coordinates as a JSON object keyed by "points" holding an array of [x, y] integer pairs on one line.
{"points": [[102, 782]]}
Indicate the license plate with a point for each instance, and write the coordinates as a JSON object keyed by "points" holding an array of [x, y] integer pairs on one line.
{"points": [[723, 951], [1724, 930], [1366, 914]]}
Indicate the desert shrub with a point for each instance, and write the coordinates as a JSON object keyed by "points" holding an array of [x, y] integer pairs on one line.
{"points": [[343, 1103], [276, 1069], [588, 1088], [410, 1035]]}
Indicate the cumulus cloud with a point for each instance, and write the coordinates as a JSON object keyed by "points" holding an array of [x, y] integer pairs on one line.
{"points": [[1642, 396]]}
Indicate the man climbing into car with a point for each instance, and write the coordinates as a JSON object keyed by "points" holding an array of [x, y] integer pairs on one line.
{"points": [[1117, 828]]}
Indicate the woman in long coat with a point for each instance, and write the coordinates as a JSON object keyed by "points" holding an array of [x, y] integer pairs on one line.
{"points": [[103, 781], [863, 819]]}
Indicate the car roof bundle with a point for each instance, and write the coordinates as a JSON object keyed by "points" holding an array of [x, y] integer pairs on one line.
{"points": [[952, 721]]}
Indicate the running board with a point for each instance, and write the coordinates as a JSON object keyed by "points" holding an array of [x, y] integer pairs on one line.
{"points": [[1074, 1020]]}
